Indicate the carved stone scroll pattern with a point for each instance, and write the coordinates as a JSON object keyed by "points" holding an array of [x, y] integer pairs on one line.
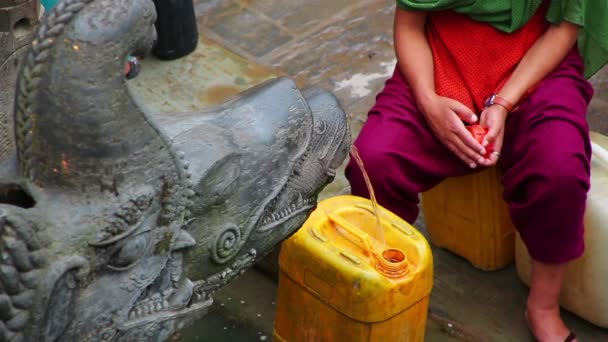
{"points": [[21, 258]]}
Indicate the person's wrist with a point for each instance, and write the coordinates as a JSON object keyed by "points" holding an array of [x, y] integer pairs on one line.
{"points": [[500, 109], [425, 99], [497, 100]]}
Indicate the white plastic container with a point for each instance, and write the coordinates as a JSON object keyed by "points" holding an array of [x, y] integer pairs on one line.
{"points": [[585, 287]]}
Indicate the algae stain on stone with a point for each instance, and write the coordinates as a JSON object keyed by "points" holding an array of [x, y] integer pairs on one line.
{"points": [[163, 246]]}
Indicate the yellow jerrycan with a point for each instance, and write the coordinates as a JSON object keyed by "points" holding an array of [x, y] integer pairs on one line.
{"points": [[467, 216], [341, 279], [584, 291]]}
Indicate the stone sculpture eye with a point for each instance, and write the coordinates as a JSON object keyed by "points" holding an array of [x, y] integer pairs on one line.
{"points": [[130, 252], [220, 181]]}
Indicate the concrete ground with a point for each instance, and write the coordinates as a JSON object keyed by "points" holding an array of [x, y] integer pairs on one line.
{"points": [[344, 46]]}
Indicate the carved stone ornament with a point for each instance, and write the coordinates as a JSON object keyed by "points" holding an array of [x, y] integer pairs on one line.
{"points": [[117, 224]]}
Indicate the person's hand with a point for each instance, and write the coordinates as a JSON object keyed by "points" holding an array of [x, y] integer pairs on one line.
{"points": [[493, 118], [445, 116]]}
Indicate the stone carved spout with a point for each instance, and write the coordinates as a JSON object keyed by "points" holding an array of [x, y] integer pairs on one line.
{"points": [[122, 223]]}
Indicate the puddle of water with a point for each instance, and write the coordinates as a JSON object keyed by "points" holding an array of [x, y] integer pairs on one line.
{"points": [[435, 333], [219, 326]]}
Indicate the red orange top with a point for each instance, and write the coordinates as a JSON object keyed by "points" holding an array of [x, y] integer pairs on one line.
{"points": [[473, 59]]}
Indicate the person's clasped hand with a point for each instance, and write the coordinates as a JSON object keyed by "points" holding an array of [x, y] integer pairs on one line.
{"points": [[445, 116], [494, 118]]}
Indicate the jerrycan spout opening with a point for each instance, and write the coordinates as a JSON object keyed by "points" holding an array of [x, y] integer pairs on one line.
{"points": [[390, 262], [393, 263]]}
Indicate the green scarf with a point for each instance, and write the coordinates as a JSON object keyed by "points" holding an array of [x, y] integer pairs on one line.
{"points": [[510, 15]]}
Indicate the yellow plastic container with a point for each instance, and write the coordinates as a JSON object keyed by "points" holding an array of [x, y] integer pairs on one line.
{"points": [[584, 291], [467, 216], [339, 282]]}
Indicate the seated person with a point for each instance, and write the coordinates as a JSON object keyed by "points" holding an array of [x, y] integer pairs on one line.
{"points": [[520, 69]]}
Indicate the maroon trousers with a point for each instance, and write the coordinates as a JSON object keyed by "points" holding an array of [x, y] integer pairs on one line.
{"points": [[545, 158]]}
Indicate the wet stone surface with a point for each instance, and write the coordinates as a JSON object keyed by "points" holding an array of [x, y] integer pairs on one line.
{"points": [[205, 78]]}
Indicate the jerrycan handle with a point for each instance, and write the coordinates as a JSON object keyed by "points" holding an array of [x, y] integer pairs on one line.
{"points": [[354, 231]]}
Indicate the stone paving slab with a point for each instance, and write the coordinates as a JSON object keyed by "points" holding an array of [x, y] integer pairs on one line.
{"points": [[246, 29], [299, 16]]}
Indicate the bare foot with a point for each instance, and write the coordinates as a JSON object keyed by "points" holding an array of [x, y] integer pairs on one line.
{"points": [[543, 313], [546, 325]]}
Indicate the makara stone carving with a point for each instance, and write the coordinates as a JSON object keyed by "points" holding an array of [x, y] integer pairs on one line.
{"points": [[118, 224]]}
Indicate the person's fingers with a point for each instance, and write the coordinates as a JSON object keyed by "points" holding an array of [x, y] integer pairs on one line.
{"points": [[462, 141], [469, 141], [464, 113], [469, 152], [496, 148], [493, 132], [493, 118], [452, 146]]}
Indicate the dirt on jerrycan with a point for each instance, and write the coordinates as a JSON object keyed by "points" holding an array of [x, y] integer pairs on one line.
{"points": [[341, 279], [584, 290]]}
